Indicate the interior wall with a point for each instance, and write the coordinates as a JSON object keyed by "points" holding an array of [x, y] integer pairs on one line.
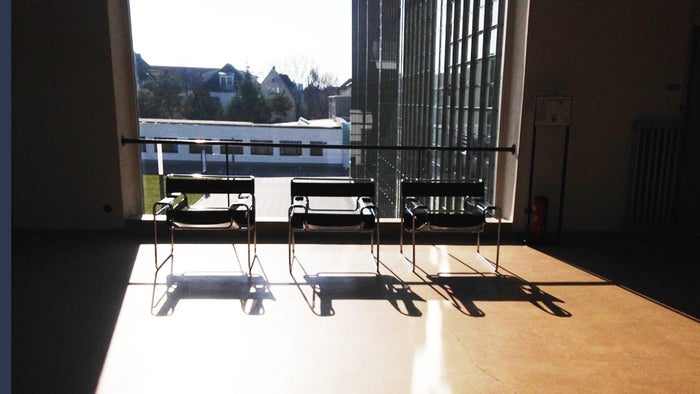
{"points": [[621, 62], [65, 154]]}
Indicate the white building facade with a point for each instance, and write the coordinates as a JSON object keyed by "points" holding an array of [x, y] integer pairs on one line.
{"points": [[261, 159]]}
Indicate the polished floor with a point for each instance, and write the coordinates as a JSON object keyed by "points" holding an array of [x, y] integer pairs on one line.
{"points": [[591, 313]]}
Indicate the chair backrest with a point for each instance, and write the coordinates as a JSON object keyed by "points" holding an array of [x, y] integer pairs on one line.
{"points": [[207, 184], [332, 187], [431, 188]]}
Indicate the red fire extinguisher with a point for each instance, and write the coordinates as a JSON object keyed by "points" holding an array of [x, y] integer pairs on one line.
{"points": [[538, 225]]}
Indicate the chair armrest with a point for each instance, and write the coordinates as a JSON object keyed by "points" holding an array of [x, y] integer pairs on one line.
{"points": [[235, 206], [246, 200], [292, 207], [412, 204], [173, 201], [163, 205], [484, 207], [366, 203]]}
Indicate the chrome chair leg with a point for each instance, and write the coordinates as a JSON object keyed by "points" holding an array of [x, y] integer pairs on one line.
{"points": [[413, 241]]}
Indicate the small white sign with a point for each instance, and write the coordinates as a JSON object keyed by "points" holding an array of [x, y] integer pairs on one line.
{"points": [[553, 111]]}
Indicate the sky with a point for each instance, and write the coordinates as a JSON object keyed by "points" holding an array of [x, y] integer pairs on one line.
{"points": [[294, 36]]}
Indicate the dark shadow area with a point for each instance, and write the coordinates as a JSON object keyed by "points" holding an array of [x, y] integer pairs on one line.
{"points": [[465, 290], [657, 266], [328, 287], [251, 291], [67, 292]]}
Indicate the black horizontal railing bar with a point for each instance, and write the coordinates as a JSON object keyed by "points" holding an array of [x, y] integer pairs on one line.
{"points": [[126, 140]]}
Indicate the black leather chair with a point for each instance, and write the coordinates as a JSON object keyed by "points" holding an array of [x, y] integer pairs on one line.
{"points": [[233, 209], [349, 209], [446, 206]]}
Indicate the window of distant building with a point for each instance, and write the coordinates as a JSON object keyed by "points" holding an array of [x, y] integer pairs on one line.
{"points": [[316, 151], [226, 82], [232, 149], [167, 147], [261, 150], [290, 150], [198, 149]]}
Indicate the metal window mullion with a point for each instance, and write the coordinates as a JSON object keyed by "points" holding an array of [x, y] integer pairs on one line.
{"points": [[447, 87], [409, 77], [483, 82], [436, 85], [455, 94], [473, 38], [447, 75], [415, 74], [430, 14], [464, 78]]}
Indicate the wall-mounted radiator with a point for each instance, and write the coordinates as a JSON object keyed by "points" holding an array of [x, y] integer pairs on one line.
{"points": [[653, 175]]}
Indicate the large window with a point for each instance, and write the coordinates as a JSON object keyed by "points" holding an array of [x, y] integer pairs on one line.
{"points": [[424, 73], [427, 73], [211, 81]]}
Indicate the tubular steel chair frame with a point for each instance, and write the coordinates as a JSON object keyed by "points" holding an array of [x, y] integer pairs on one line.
{"points": [[363, 218], [180, 216], [470, 219]]}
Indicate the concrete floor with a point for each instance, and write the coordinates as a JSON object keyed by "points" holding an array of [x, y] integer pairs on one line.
{"points": [[90, 316]]}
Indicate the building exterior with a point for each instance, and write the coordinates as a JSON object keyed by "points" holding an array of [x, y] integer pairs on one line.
{"points": [[219, 82], [276, 83], [425, 73], [255, 160], [339, 106]]}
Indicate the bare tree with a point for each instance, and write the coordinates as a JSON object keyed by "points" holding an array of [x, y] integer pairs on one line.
{"points": [[297, 67], [326, 80]]}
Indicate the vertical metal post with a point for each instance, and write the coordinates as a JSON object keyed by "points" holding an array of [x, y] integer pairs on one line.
{"points": [[563, 182], [226, 154], [529, 187], [159, 155], [419, 164]]}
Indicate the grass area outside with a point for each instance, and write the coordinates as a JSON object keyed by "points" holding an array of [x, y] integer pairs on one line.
{"points": [[152, 192]]}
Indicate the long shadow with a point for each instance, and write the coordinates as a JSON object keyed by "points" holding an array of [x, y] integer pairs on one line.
{"points": [[329, 287], [654, 266], [465, 290], [67, 292], [251, 291]]}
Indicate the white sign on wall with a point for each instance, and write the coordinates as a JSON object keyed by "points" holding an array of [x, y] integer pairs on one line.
{"points": [[553, 111]]}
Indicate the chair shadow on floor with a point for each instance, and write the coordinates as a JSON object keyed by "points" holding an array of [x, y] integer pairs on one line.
{"points": [[251, 290], [465, 289], [471, 283], [327, 287]]}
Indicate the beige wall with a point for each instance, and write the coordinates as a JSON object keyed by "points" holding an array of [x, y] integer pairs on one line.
{"points": [[616, 60], [68, 167], [72, 94]]}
